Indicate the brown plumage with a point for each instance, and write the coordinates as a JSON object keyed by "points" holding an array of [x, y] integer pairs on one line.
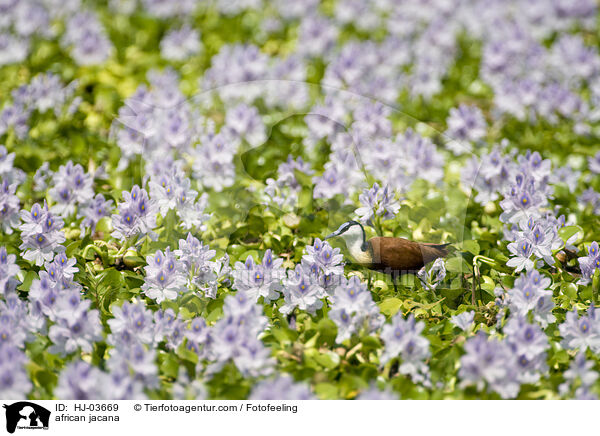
{"points": [[390, 255], [402, 255]]}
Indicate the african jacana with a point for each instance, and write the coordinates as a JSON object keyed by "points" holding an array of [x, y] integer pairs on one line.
{"points": [[394, 256]]}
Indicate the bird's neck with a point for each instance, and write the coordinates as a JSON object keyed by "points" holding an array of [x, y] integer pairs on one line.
{"points": [[357, 246]]}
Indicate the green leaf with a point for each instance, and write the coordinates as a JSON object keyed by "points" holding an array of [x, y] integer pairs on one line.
{"points": [[471, 246], [568, 231], [390, 306]]}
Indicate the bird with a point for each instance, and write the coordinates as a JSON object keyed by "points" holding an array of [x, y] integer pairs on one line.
{"points": [[391, 255]]}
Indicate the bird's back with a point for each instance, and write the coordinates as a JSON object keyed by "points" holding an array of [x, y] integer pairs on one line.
{"points": [[399, 254]]}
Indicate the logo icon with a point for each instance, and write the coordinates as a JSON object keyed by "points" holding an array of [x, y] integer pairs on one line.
{"points": [[26, 415]]}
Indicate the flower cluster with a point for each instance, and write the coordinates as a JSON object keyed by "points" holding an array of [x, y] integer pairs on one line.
{"points": [[41, 233], [589, 264], [86, 38], [537, 237], [234, 338], [171, 190], [136, 216], [259, 280], [56, 295], [202, 272], [377, 202], [580, 378], [283, 192], [165, 279], [403, 338], [530, 293], [353, 310], [72, 187], [581, 332], [280, 388]]}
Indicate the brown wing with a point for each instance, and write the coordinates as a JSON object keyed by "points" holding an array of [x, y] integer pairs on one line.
{"points": [[400, 254]]}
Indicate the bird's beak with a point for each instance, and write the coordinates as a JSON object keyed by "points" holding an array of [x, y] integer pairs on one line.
{"points": [[334, 234]]}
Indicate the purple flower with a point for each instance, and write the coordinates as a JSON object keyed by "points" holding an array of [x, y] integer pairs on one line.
{"points": [[581, 332], [281, 388], [245, 123], [8, 268], [41, 233], [302, 290], [14, 380], [589, 264], [373, 393], [79, 381], [580, 370], [132, 323], [165, 278], [136, 215], [594, 163], [87, 39], [377, 202], [259, 280], [466, 123], [403, 338], [464, 320], [180, 44], [9, 207], [72, 186], [233, 337], [489, 362], [316, 36], [529, 343], [93, 212], [353, 309]]}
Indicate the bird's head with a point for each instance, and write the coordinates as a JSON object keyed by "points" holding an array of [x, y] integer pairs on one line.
{"points": [[351, 231]]}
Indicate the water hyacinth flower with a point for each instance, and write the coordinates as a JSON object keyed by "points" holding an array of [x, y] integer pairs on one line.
{"points": [[86, 37], [213, 164], [373, 393], [523, 200], [465, 123], [233, 338], [589, 264], [489, 362], [72, 186], [529, 343], [8, 269], [590, 198], [259, 280], [180, 44], [164, 276], [353, 310], [403, 338], [244, 122], [581, 332], [327, 259], [530, 293], [93, 212], [14, 381], [284, 191], [79, 381], [377, 202], [302, 290], [9, 207], [464, 320], [131, 323], [185, 388], [580, 374], [136, 215], [41, 233], [282, 387], [594, 163], [433, 276]]}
